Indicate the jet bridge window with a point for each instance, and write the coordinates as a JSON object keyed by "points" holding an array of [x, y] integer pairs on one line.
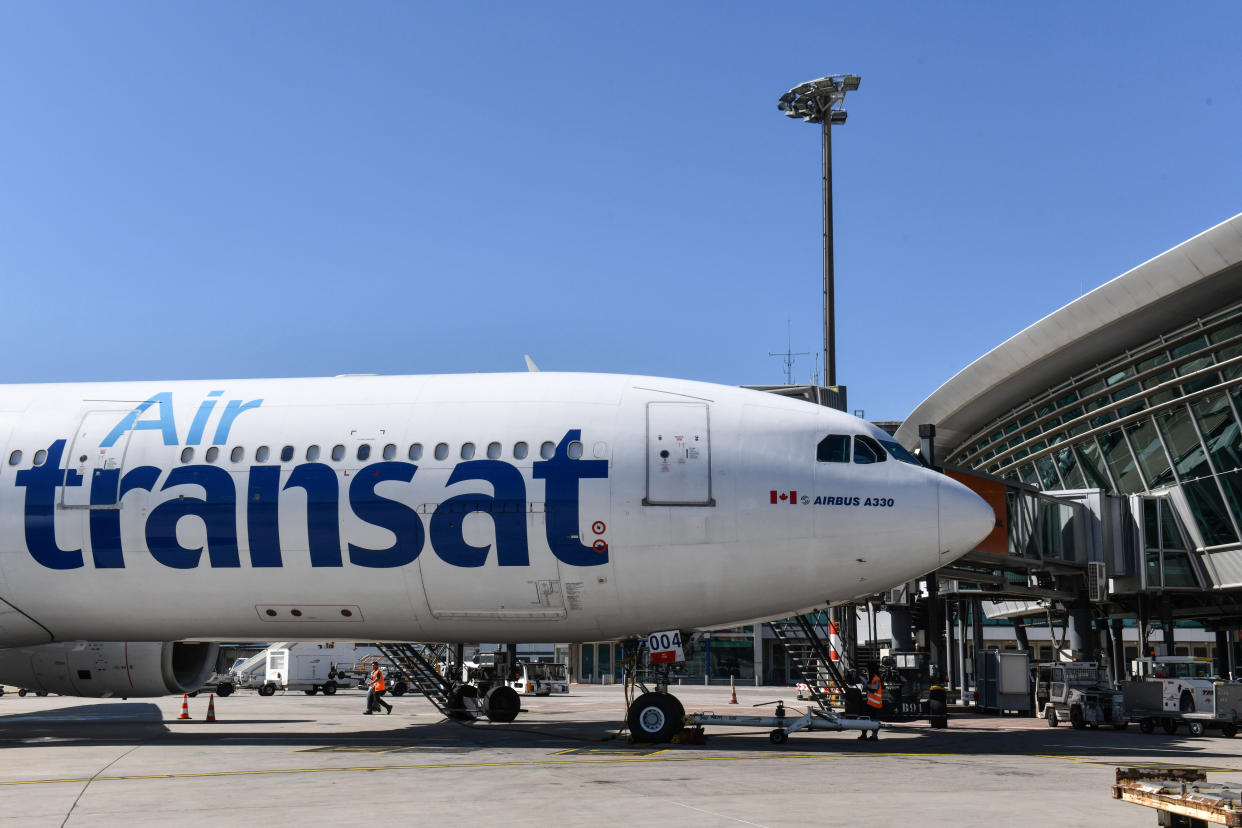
{"points": [[835, 448], [867, 450]]}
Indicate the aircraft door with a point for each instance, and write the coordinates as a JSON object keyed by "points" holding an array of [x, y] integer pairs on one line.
{"points": [[679, 465], [90, 459]]}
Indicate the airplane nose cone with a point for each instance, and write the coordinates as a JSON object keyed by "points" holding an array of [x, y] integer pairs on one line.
{"points": [[965, 520]]}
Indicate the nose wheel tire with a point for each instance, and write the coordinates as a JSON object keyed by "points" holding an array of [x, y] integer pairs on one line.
{"points": [[655, 717]]}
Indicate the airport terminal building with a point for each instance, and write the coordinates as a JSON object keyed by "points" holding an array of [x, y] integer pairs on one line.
{"points": [[1108, 437]]}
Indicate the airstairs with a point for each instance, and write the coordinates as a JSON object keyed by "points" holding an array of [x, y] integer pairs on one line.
{"points": [[813, 658], [422, 667]]}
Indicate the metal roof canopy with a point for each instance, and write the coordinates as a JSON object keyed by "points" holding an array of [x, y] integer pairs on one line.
{"points": [[1191, 280]]}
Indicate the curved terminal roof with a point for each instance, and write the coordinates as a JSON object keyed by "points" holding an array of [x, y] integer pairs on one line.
{"points": [[1160, 295]]}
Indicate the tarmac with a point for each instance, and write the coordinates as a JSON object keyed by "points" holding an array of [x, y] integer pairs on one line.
{"points": [[293, 759]]}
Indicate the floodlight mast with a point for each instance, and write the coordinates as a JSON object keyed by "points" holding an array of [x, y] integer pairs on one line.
{"points": [[822, 101]]}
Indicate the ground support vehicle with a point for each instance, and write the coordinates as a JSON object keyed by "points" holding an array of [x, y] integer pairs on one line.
{"points": [[539, 679], [1079, 692], [1170, 691], [1144, 703], [310, 671], [783, 724]]}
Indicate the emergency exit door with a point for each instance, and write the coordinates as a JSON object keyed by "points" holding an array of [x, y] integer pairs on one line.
{"points": [[679, 463]]}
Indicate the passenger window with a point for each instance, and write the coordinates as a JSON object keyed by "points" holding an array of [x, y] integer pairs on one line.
{"points": [[261, 454], [338, 453], [441, 451], [312, 453], [15, 457], [547, 450], [211, 454], [286, 454], [467, 451], [520, 450], [835, 448], [390, 451], [416, 451], [493, 451], [187, 454], [40, 457], [364, 451], [575, 450], [237, 454], [867, 450]]}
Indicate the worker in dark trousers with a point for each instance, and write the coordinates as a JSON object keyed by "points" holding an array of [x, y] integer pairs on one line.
{"points": [[375, 694], [875, 699]]}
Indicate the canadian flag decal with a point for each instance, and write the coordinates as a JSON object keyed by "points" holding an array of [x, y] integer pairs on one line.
{"points": [[790, 497]]}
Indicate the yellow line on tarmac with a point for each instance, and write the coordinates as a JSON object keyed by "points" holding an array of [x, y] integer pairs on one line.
{"points": [[463, 765], [594, 760]]}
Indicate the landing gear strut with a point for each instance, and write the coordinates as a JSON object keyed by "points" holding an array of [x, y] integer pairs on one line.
{"points": [[655, 715]]}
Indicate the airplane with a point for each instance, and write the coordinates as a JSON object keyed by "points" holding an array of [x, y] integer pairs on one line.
{"points": [[140, 522]]}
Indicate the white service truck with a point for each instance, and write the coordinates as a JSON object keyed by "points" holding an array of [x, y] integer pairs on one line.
{"points": [[308, 670], [1175, 690]]}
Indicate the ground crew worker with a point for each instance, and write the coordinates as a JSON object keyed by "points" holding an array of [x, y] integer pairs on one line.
{"points": [[875, 693], [375, 694]]}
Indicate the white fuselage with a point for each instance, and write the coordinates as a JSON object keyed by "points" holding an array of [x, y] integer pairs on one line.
{"points": [[298, 509]]}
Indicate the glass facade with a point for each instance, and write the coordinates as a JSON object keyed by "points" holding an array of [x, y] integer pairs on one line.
{"points": [[1165, 415]]}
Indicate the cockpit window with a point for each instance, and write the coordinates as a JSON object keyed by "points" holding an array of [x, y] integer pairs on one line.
{"points": [[900, 453], [835, 448], [867, 450]]}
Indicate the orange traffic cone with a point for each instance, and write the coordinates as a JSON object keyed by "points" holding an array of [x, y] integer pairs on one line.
{"points": [[185, 707], [211, 708], [733, 688]]}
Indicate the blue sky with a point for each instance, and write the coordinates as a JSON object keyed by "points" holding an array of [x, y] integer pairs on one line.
{"points": [[195, 189]]}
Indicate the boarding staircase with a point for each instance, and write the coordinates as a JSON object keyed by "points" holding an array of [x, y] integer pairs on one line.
{"points": [[813, 659], [422, 666]]}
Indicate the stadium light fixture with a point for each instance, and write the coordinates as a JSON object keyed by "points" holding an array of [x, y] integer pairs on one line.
{"points": [[822, 101]]}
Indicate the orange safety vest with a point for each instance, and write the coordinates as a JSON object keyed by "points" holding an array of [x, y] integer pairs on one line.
{"points": [[377, 680], [875, 691]]}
